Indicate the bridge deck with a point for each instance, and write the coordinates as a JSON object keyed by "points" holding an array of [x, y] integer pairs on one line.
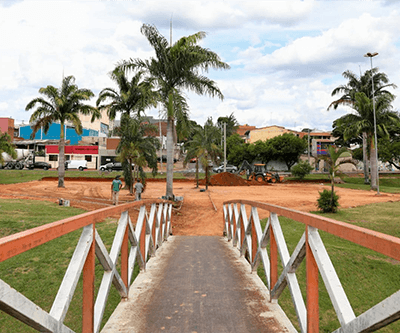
{"points": [[197, 284]]}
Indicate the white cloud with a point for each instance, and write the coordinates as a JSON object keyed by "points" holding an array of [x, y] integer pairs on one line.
{"points": [[286, 56]]}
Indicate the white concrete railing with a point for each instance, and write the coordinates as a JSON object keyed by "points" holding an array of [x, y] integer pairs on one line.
{"points": [[153, 226], [247, 235]]}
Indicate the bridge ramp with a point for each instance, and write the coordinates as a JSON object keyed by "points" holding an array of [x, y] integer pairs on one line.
{"points": [[198, 284]]}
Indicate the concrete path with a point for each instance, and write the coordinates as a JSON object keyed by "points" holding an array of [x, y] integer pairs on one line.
{"points": [[198, 284]]}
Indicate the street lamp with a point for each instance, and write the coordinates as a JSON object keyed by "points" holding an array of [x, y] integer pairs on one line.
{"points": [[371, 55]]}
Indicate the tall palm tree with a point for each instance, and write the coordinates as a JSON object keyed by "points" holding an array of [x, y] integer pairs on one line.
{"points": [[362, 121], [231, 124], [61, 105], [204, 146], [6, 147], [136, 147], [174, 68], [132, 96], [363, 84]]}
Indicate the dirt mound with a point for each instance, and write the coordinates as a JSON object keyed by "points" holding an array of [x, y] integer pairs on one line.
{"points": [[225, 179]]}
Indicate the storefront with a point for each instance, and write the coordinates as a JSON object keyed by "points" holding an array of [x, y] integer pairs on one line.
{"points": [[88, 153]]}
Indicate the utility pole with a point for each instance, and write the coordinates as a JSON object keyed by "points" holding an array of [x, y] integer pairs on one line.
{"points": [[308, 148], [224, 147], [161, 138]]}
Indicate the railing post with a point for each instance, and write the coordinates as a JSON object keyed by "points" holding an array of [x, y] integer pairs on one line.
{"points": [[124, 258], [254, 240], [88, 289], [312, 289], [274, 257], [142, 240]]}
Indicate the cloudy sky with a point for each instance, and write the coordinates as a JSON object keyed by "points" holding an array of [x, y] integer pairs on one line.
{"points": [[286, 57]]}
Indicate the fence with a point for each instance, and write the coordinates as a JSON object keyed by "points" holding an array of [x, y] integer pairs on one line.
{"points": [[153, 226], [247, 235]]}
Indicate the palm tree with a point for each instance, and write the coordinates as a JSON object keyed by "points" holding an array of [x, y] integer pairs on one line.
{"points": [[174, 68], [231, 124], [136, 147], [363, 84], [332, 160], [6, 147], [362, 121], [133, 95], [62, 105], [204, 146]]}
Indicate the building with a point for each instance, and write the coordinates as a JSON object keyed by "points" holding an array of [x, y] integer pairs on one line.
{"points": [[266, 133], [243, 129], [101, 126], [25, 132], [7, 126], [88, 153]]}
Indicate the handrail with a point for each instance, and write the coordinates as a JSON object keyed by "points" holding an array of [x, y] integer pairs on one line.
{"points": [[247, 235], [152, 228]]}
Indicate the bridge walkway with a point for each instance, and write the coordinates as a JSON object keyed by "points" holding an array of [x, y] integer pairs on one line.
{"points": [[198, 284]]}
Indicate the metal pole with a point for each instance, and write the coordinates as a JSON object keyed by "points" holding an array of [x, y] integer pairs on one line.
{"points": [[161, 139], [308, 149], [371, 55], [375, 132], [224, 147]]}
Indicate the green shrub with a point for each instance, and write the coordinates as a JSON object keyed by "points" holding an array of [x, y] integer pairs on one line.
{"points": [[326, 203], [301, 169]]}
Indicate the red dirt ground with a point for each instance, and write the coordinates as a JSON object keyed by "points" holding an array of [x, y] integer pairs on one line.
{"points": [[201, 212]]}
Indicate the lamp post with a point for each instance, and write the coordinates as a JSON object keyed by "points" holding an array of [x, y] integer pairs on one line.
{"points": [[371, 55]]}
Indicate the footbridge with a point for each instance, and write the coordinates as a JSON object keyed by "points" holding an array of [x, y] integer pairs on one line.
{"points": [[197, 283]]}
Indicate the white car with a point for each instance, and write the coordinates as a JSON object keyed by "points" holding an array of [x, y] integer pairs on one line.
{"points": [[76, 164], [229, 168]]}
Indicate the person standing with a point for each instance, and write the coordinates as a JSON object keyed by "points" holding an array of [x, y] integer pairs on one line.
{"points": [[138, 189], [115, 188]]}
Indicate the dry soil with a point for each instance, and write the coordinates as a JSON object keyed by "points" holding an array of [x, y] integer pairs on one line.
{"points": [[201, 211]]}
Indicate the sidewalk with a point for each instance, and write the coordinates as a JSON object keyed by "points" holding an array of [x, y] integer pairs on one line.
{"points": [[198, 284]]}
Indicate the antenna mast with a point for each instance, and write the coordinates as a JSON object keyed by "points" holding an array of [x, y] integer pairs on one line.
{"points": [[170, 32]]}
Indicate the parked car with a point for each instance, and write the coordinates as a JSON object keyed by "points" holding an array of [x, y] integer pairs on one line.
{"points": [[76, 164], [112, 166], [229, 168], [39, 165], [164, 159]]}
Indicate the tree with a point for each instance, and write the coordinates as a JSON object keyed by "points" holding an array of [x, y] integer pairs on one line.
{"points": [[240, 153], [133, 95], [204, 146], [287, 148], [62, 105], [331, 160], [301, 169], [6, 147], [363, 84], [136, 147], [174, 68], [362, 121], [231, 124]]}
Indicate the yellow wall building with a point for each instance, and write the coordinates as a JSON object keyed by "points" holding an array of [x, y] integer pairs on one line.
{"points": [[266, 133]]}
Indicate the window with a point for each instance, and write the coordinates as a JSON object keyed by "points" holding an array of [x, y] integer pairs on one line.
{"points": [[88, 158], [53, 157]]}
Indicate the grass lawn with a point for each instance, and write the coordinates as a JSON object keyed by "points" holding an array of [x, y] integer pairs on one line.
{"points": [[367, 277], [22, 176], [38, 273]]}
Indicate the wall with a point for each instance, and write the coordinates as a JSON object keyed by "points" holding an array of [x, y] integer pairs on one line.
{"points": [[54, 133], [90, 153], [266, 133], [7, 126]]}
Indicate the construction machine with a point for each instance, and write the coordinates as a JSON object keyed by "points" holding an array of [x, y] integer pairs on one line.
{"points": [[259, 173], [24, 158]]}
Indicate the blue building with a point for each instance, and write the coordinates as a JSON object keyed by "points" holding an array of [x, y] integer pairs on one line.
{"points": [[25, 132]]}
